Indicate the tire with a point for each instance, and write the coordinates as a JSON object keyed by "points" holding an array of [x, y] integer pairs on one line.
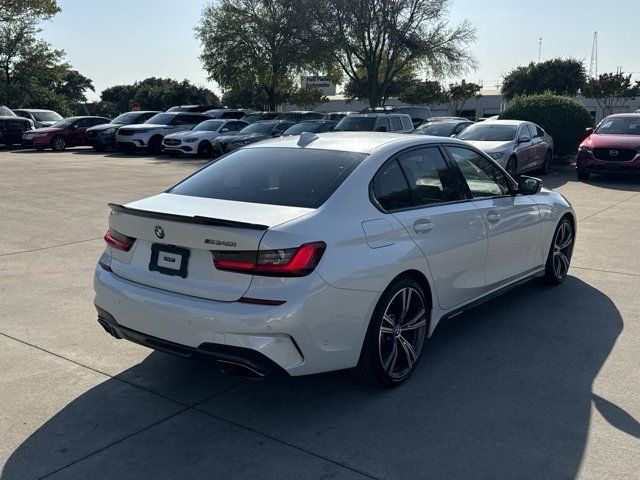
{"points": [[40, 149], [205, 149], [512, 166], [395, 340], [155, 145], [560, 252], [583, 175], [58, 144], [99, 149], [546, 166]]}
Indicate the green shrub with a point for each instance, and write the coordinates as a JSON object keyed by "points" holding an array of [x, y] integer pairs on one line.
{"points": [[564, 118]]}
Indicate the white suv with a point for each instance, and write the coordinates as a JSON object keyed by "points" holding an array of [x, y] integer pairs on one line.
{"points": [[376, 122], [199, 140], [149, 134]]}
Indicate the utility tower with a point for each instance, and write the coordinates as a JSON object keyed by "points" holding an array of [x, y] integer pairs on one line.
{"points": [[593, 67]]}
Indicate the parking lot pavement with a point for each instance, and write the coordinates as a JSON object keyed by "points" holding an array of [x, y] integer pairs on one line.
{"points": [[542, 383]]}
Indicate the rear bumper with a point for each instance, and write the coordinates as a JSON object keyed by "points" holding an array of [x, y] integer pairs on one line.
{"points": [[586, 162], [321, 331], [222, 355]]}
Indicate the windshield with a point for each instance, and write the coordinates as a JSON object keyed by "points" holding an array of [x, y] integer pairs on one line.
{"points": [[275, 176], [619, 126], [126, 118], [208, 126], [5, 112], [258, 128], [67, 122], [356, 124], [489, 132], [438, 129], [161, 119], [46, 116], [304, 127]]}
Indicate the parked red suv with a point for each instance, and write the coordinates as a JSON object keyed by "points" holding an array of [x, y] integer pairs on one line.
{"points": [[69, 132], [613, 147]]}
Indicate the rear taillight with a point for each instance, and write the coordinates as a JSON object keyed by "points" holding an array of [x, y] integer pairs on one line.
{"points": [[119, 240], [288, 262]]}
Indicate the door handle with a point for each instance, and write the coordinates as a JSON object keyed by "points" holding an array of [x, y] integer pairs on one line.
{"points": [[493, 217], [423, 226]]}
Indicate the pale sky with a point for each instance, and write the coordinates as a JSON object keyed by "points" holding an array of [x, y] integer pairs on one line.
{"points": [[121, 41]]}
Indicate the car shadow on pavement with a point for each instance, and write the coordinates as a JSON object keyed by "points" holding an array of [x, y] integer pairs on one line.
{"points": [[502, 392], [557, 179], [160, 158]]}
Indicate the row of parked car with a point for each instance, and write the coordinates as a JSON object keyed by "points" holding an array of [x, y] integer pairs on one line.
{"points": [[193, 130]]}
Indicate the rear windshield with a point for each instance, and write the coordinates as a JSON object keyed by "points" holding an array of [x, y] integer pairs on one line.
{"points": [[489, 132], [356, 124], [161, 119], [437, 129], [277, 176]]}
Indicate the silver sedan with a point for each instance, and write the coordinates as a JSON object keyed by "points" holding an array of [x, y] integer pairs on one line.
{"points": [[516, 145]]}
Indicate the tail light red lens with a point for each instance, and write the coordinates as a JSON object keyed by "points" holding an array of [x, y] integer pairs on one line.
{"points": [[288, 262], [119, 240]]}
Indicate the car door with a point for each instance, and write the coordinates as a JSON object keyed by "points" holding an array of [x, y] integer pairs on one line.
{"points": [[525, 150], [537, 137], [446, 227], [77, 132], [513, 222]]}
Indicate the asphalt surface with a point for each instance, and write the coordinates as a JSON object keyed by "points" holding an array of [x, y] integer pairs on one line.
{"points": [[542, 383]]}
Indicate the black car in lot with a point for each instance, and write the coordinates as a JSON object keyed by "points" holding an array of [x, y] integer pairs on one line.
{"points": [[192, 108], [253, 133], [103, 137], [12, 127], [299, 116]]}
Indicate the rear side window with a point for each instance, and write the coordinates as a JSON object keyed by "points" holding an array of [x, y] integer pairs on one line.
{"points": [[390, 188], [430, 178], [395, 123], [384, 125], [276, 176]]}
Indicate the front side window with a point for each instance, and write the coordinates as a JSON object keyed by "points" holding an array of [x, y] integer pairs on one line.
{"points": [[390, 188], [275, 176], [430, 178], [395, 122], [484, 178]]}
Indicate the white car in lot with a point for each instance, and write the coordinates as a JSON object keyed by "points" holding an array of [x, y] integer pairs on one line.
{"points": [[199, 140], [376, 122], [149, 135], [307, 254]]}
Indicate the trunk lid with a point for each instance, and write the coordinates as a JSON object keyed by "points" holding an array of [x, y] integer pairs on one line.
{"points": [[171, 229]]}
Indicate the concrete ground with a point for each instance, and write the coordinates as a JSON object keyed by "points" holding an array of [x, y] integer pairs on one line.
{"points": [[543, 383]]}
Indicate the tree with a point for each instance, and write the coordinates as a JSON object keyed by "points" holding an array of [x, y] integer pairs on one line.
{"points": [[376, 41], [256, 43], [457, 95], [307, 98], [32, 72], [427, 92], [561, 76], [358, 88], [157, 94], [611, 91]]}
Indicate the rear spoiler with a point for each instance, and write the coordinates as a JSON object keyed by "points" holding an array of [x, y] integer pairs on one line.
{"points": [[198, 220]]}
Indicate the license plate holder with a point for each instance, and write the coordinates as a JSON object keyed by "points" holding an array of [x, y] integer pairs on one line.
{"points": [[169, 260], [612, 167]]}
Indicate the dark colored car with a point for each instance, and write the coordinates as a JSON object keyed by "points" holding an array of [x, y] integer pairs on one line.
{"points": [[40, 118], [300, 116], [444, 128], [256, 116], [418, 114], [192, 108], [337, 116], [69, 132], [613, 147], [253, 133], [101, 137], [12, 127], [311, 126]]}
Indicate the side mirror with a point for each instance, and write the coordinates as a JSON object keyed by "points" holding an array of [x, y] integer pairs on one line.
{"points": [[529, 185], [381, 129], [589, 130], [524, 139]]}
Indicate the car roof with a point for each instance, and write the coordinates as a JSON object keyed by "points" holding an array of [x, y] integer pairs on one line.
{"points": [[513, 123], [623, 115], [38, 110], [377, 114], [356, 142]]}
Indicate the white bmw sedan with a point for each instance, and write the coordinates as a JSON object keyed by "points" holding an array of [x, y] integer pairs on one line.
{"points": [[323, 252]]}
